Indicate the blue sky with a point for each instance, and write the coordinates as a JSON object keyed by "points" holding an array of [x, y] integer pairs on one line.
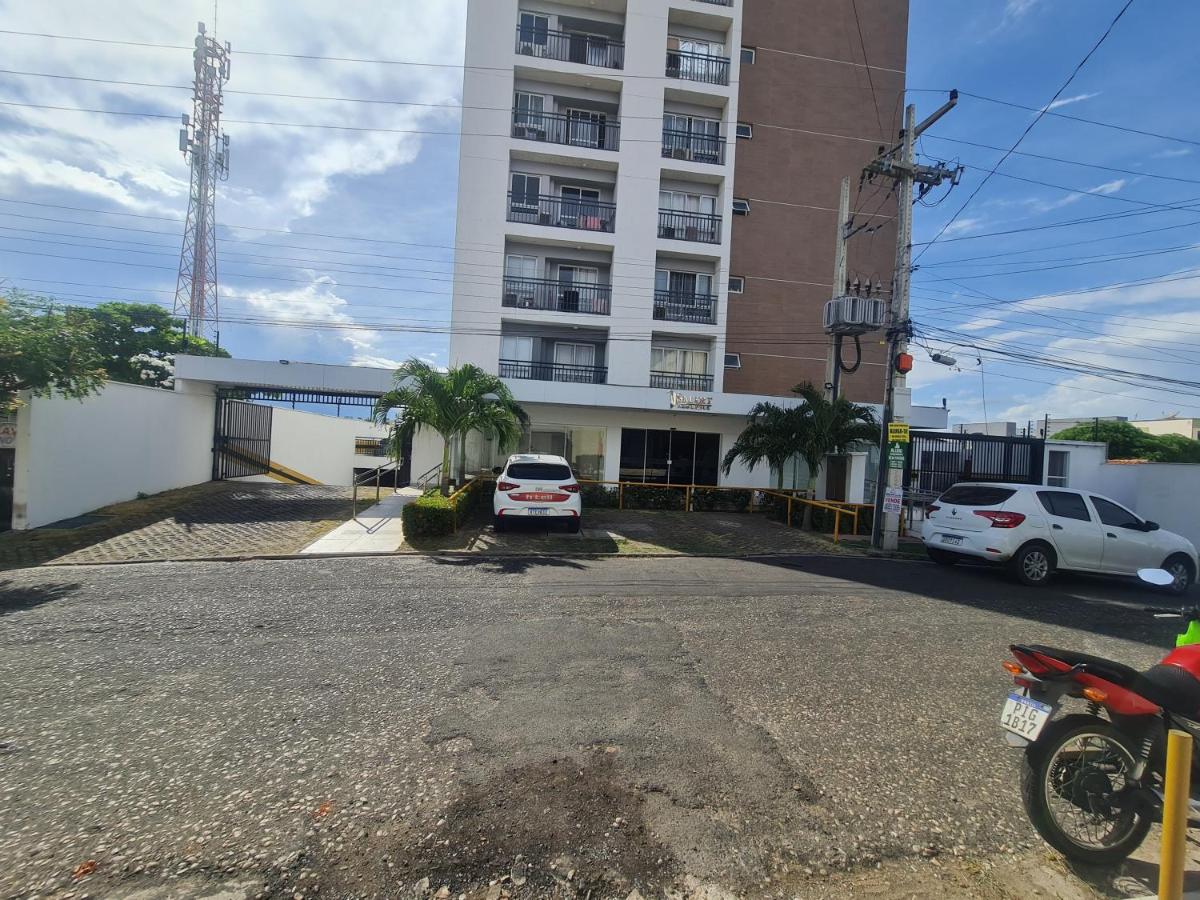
{"points": [[356, 228]]}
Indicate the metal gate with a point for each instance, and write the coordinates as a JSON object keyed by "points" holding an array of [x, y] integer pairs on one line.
{"points": [[242, 440], [939, 459]]}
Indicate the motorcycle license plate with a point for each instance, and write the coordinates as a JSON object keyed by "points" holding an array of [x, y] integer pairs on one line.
{"points": [[539, 510], [951, 539], [1025, 716]]}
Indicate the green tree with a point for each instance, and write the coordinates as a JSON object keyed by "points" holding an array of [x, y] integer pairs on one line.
{"points": [[453, 404], [44, 349], [814, 430], [138, 342], [1126, 441]]}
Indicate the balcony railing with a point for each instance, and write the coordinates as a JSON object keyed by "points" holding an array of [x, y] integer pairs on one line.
{"points": [[557, 296], [694, 147], [562, 212], [677, 306], [679, 381], [556, 128], [539, 371], [565, 46], [697, 67], [685, 226]]}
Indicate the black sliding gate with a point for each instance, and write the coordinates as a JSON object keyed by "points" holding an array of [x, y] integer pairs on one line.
{"points": [[242, 440], [939, 459]]}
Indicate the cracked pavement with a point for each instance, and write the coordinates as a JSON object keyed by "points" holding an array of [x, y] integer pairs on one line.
{"points": [[349, 728]]}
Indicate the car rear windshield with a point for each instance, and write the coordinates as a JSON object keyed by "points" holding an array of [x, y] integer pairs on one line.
{"points": [[537, 471], [976, 495]]}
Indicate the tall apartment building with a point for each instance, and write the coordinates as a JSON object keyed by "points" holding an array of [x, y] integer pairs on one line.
{"points": [[646, 214]]}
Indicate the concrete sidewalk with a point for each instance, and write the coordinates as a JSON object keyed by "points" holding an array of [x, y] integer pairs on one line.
{"points": [[377, 529]]}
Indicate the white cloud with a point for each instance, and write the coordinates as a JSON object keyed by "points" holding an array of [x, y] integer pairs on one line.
{"points": [[963, 225], [1067, 101], [1173, 152], [1015, 9], [1108, 187]]}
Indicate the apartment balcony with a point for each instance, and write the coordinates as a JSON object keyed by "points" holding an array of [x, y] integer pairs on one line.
{"points": [[567, 46], [680, 381], [557, 296], [572, 131], [686, 226], [562, 212], [693, 147], [698, 67], [674, 306], [546, 371]]}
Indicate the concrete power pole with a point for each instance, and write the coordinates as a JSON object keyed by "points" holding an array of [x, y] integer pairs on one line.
{"points": [[900, 164], [833, 369], [201, 140]]}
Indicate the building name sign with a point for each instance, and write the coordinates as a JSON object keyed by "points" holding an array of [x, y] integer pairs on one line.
{"points": [[690, 401]]}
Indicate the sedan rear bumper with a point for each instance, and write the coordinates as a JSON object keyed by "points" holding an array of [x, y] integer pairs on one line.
{"points": [[992, 544]]}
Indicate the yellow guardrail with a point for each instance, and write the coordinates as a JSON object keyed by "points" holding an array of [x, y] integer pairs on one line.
{"points": [[837, 507]]}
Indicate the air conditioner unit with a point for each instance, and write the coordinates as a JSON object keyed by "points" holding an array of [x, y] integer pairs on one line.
{"points": [[850, 315]]}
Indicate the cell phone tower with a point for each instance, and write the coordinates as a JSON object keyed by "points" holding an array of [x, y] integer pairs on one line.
{"points": [[202, 141]]}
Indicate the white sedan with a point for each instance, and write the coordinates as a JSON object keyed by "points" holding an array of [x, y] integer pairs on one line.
{"points": [[1037, 529], [537, 486]]}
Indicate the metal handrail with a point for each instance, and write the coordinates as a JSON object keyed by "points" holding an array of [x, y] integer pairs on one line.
{"points": [[434, 474], [689, 226], [559, 296], [366, 477], [546, 371], [698, 67], [677, 306], [575, 47], [693, 146], [561, 128], [681, 381], [562, 212]]}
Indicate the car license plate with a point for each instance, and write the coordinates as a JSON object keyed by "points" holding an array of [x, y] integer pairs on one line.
{"points": [[539, 510], [951, 539], [1025, 716]]}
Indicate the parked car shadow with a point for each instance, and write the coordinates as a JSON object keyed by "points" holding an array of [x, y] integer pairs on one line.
{"points": [[512, 565], [19, 599]]}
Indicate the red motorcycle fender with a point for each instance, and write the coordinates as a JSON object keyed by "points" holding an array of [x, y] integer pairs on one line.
{"points": [[1120, 700]]}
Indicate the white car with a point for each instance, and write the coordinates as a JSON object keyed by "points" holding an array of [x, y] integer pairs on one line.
{"points": [[537, 485], [1038, 529]]}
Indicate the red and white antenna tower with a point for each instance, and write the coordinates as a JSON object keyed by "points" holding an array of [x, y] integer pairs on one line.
{"points": [[202, 141]]}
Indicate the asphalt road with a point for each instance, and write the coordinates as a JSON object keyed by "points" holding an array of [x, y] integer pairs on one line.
{"points": [[347, 728]]}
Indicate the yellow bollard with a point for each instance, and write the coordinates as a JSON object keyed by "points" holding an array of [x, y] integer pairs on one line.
{"points": [[1176, 789]]}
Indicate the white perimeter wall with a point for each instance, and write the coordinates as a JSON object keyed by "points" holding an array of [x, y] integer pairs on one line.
{"points": [[319, 446], [75, 456]]}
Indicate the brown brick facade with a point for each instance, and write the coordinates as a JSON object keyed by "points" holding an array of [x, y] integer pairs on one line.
{"points": [[785, 248]]}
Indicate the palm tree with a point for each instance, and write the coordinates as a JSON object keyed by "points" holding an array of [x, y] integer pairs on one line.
{"points": [[452, 403], [814, 430]]}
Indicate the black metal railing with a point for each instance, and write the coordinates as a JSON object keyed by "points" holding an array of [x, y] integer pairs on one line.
{"points": [[685, 226], [557, 296], [561, 212], [539, 371], [697, 67], [677, 306], [574, 131], [680, 381], [693, 147], [370, 446], [566, 46]]}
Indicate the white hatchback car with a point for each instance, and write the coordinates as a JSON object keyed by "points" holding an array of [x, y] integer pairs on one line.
{"points": [[537, 485], [1038, 529]]}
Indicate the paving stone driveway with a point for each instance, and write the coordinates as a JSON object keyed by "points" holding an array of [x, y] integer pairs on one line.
{"points": [[214, 519]]}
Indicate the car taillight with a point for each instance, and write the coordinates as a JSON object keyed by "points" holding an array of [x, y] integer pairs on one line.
{"points": [[505, 486], [1002, 519], [932, 508], [569, 488]]}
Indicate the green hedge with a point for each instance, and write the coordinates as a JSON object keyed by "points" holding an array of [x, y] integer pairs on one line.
{"points": [[432, 514], [649, 496], [708, 499], [598, 496]]}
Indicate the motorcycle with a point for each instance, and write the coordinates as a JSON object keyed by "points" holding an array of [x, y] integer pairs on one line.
{"points": [[1092, 779]]}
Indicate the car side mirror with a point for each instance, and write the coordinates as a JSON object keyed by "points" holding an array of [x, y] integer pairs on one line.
{"points": [[496, 470], [1150, 526]]}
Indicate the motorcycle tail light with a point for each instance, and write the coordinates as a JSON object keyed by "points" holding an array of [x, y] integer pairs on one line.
{"points": [[505, 486], [1095, 694], [1002, 519], [1013, 668]]}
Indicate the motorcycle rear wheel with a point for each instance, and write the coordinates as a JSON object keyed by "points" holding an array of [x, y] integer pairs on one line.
{"points": [[1077, 786]]}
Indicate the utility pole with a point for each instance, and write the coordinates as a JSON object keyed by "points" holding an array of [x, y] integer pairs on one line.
{"points": [[899, 163], [833, 370], [201, 141]]}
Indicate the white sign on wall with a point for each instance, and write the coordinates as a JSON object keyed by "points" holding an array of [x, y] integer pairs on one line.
{"points": [[690, 401], [893, 500]]}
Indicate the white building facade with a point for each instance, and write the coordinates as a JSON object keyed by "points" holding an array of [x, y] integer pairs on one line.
{"points": [[596, 198]]}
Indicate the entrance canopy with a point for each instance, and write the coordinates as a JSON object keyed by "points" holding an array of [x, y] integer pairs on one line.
{"points": [[282, 380]]}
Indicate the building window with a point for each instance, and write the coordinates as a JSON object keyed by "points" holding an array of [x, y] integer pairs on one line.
{"points": [[1058, 466], [745, 130], [741, 207], [737, 284], [748, 55], [669, 457], [733, 360], [581, 446], [678, 361]]}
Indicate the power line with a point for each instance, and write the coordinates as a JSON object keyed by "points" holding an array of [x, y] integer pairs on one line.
{"points": [[867, 65], [1028, 128]]}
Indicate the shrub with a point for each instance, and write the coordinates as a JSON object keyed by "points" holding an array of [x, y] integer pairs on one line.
{"points": [[709, 499], [598, 496], [650, 496], [432, 514]]}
